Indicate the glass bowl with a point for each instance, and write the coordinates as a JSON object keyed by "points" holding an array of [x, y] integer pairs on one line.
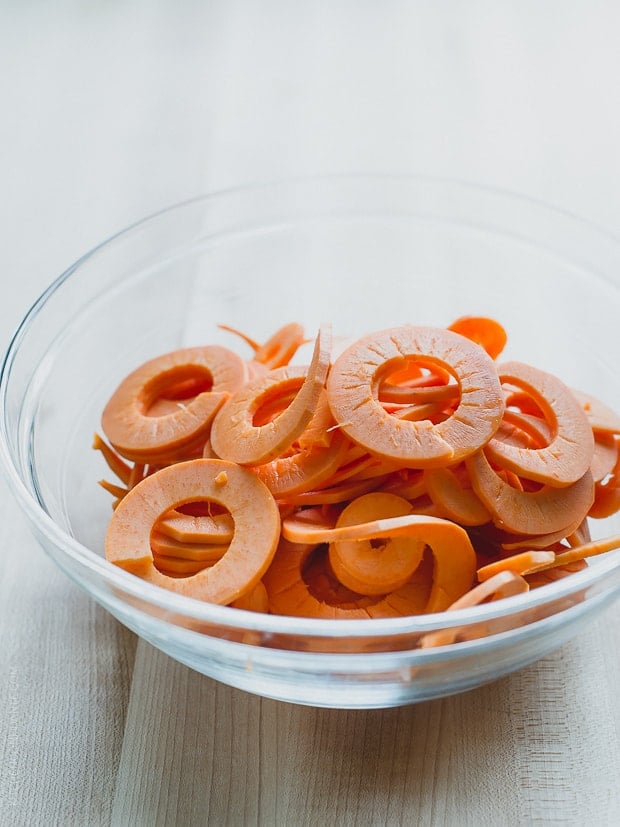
{"points": [[363, 254]]}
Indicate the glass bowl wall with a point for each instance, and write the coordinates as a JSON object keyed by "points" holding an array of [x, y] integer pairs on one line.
{"points": [[362, 254]]}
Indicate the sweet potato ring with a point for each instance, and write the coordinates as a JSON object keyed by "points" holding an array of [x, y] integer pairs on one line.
{"points": [[453, 553], [353, 387], [156, 439], [369, 567], [290, 594], [488, 333], [236, 489], [312, 458], [235, 437], [548, 509], [570, 451]]}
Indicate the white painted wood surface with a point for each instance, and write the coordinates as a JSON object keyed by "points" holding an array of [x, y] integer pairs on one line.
{"points": [[109, 111]]}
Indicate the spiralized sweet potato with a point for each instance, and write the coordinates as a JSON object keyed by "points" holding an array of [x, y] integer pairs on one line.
{"points": [[410, 473]]}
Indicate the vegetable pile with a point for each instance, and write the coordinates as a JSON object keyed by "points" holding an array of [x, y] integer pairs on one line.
{"points": [[409, 473]]}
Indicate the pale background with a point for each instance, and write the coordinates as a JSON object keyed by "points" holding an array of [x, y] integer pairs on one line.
{"points": [[111, 110]]}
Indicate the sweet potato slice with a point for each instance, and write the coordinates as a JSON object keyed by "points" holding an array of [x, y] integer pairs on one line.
{"points": [[488, 333], [313, 459], [529, 512], [163, 545], [601, 417], [234, 435], [569, 453], [188, 528], [522, 563], [605, 458], [357, 373], [291, 594], [253, 509], [501, 585], [280, 348], [153, 439], [457, 501], [578, 553], [454, 555], [375, 567]]}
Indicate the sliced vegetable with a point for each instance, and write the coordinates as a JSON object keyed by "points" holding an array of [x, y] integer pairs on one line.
{"points": [[499, 586], [234, 435], [486, 332], [356, 375], [378, 482], [569, 454], [529, 512], [214, 373], [455, 558], [375, 566], [253, 509]]}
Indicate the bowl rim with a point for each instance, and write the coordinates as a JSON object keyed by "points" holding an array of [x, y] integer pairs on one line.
{"points": [[228, 617]]}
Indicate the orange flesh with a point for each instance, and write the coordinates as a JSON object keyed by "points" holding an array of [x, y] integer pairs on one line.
{"points": [[455, 559], [486, 332], [162, 544], [256, 600], [578, 553], [236, 438], [569, 453], [458, 502], [521, 563], [540, 541], [114, 462], [529, 512], [280, 348], [354, 379], [189, 528], [290, 593], [602, 418], [497, 587], [370, 568], [312, 460], [253, 509], [363, 474], [144, 438], [605, 456]]}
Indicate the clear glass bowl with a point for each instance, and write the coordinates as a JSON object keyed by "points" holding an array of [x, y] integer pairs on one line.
{"points": [[363, 254]]}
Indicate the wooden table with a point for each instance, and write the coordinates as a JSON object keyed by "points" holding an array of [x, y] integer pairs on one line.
{"points": [[110, 112]]}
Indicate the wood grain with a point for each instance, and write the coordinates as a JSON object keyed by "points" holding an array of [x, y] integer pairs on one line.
{"points": [[65, 672], [538, 747]]}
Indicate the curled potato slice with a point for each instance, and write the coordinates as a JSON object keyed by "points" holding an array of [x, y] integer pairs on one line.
{"points": [[546, 510], [453, 553], [144, 438], [375, 567], [570, 450], [235, 437], [252, 507], [290, 594], [353, 387]]}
